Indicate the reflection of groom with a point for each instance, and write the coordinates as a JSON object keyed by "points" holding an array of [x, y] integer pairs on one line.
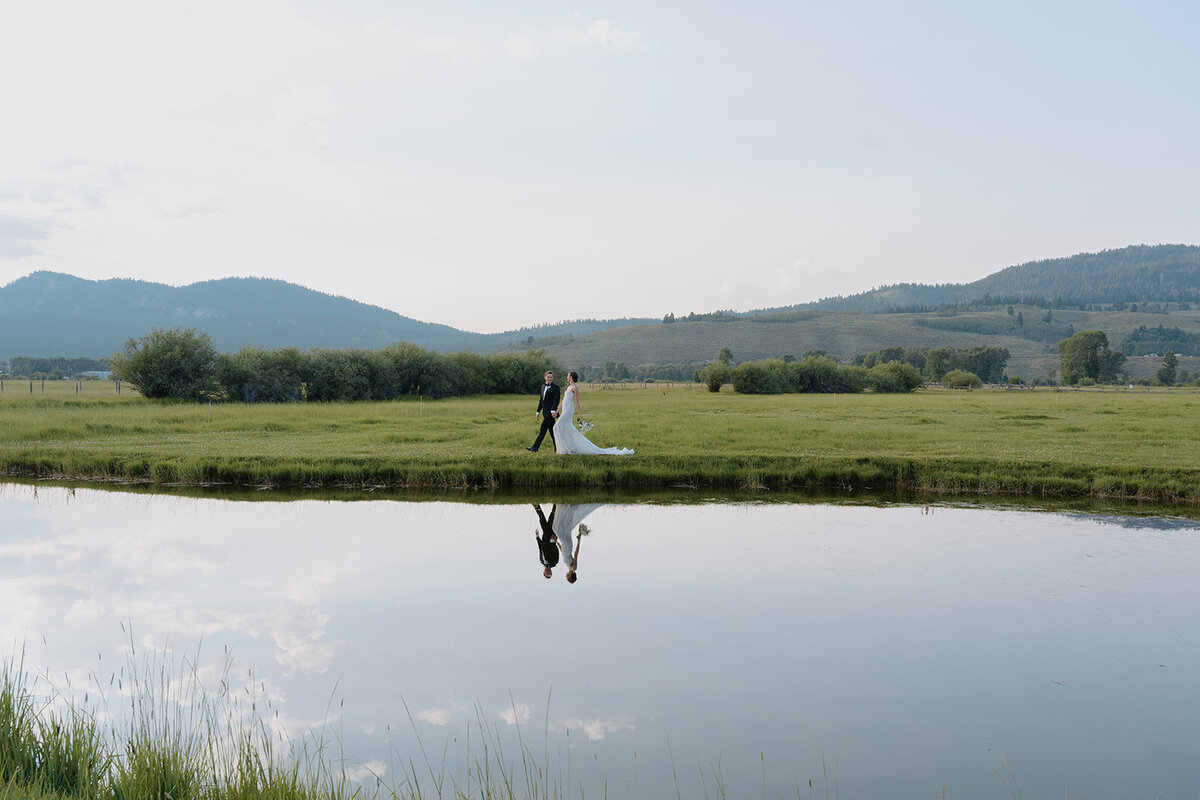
{"points": [[548, 541], [547, 409]]}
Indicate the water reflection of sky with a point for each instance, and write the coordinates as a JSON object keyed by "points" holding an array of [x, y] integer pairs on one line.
{"points": [[912, 646]]}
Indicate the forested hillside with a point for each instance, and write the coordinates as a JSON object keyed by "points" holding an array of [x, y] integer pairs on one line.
{"points": [[1029, 333], [1160, 273]]}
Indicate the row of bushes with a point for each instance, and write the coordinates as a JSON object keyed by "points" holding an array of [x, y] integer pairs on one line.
{"points": [[987, 363], [183, 364], [816, 374]]}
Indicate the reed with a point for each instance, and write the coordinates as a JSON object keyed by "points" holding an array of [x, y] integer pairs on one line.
{"points": [[175, 739], [56, 752], [171, 740]]}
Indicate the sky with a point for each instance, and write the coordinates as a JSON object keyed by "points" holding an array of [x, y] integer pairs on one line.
{"points": [[503, 164]]}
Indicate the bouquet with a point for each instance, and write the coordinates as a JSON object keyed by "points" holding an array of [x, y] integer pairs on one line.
{"points": [[584, 425]]}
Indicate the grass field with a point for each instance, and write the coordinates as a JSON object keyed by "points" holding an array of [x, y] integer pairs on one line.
{"points": [[1101, 444]]}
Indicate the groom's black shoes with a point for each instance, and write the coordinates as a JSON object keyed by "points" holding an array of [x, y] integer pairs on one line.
{"points": [[531, 449]]}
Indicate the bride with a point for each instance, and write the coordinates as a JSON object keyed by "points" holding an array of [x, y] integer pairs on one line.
{"points": [[567, 438]]}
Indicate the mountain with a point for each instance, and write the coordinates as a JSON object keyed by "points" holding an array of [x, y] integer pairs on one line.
{"points": [[1146, 299], [1160, 273], [48, 314]]}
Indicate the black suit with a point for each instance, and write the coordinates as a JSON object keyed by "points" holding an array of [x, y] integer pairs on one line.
{"points": [[548, 402], [547, 542]]}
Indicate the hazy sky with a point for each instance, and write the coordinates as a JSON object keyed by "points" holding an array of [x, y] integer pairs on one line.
{"points": [[493, 165]]}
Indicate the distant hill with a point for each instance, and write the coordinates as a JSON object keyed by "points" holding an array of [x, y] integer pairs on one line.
{"points": [[1030, 337], [51, 314], [1144, 298], [1161, 273]]}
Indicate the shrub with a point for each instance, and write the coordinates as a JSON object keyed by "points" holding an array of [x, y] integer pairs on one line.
{"points": [[759, 377], [176, 363], [339, 374], [254, 375], [961, 379], [821, 374], [715, 375], [893, 377]]}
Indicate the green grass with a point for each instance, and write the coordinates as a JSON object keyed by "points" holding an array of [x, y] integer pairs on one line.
{"points": [[1099, 444], [180, 740], [175, 739]]}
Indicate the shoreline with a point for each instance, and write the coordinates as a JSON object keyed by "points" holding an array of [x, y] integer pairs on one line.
{"points": [[1109, 447], [888, 479]]}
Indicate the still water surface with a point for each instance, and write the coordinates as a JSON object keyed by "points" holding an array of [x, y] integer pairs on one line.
{"points": [[879, 651]]}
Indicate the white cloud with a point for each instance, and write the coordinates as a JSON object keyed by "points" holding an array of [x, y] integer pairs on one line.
{"points": [[368, 769], [453, 710], [516, 712], [521, 46], [600, 32], [598, 728], [436, 716], [305, 653]]}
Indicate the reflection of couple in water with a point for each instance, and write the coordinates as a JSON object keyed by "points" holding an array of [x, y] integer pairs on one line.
{"points": [[554, 539]]}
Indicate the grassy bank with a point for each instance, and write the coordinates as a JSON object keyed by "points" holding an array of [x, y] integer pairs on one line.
{"points": [[1110, 444]]}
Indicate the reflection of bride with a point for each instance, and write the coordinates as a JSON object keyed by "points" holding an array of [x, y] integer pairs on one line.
{"points": [[566, 519], [567, 438]]}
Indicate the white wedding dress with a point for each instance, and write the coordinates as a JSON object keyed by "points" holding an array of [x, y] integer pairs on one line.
{"points": [[569, 441], [566, 520]]}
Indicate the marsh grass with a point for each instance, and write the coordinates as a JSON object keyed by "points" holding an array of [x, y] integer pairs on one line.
{"points": [[53, 751], [176, 739], [1113, 445], [170, 740]]}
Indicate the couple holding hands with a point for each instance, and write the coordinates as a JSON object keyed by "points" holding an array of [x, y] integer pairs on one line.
{"points": [[554, 406], [554, 538]]}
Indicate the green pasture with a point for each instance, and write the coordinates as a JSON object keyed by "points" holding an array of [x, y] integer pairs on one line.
{"points": [[1110, 444]]}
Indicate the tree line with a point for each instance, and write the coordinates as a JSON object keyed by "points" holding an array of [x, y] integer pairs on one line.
{"points": [[889, 370], [815, 373], [52, 368], [1137, 274], [821, 374], [986, 363], [1143, 341], [183, 364], [1087, 359]]}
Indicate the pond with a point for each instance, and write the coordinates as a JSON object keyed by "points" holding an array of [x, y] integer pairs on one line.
{"points": [[709, 649]]}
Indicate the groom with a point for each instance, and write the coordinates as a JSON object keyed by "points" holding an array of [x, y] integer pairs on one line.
{"points": [[547, 409]]}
